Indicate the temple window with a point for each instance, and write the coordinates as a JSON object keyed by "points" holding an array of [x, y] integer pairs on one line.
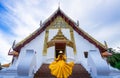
{"points": [[86, 54]]}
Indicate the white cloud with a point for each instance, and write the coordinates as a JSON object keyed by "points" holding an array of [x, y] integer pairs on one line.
{"points": [[4, 48]]}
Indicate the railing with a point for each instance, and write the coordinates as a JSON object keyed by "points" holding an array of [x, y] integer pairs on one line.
{"points": [[27, 65], [98, 66]]}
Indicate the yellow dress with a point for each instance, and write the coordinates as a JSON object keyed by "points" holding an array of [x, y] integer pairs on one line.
{"points": [[60, 68]]}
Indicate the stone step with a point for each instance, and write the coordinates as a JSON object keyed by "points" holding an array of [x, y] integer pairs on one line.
{"points": [[78, 72]]}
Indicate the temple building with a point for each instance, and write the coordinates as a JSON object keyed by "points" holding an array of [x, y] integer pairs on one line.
{"points": [[32, 56]]}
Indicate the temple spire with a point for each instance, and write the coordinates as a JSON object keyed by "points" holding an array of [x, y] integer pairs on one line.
{"points": [[58, 4]]}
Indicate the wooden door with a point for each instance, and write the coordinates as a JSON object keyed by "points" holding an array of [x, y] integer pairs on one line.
{"points": [[59, 46]]}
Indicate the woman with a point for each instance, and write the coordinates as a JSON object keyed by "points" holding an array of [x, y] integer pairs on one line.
{"points": [[60, 68]]}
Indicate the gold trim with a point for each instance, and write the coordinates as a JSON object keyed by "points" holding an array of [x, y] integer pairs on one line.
{"points": [[60, 38], [45, 42], [59, 23], [6, 65], [72, 39], [13, 53]]}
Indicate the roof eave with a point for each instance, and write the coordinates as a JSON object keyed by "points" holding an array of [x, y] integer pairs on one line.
{"points": [[45, 24]]}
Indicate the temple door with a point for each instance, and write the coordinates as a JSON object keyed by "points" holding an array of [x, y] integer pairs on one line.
{"points": [[59, 46]]}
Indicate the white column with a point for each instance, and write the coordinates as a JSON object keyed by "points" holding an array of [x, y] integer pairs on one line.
{"points": [[69, 54], [50, 55]]}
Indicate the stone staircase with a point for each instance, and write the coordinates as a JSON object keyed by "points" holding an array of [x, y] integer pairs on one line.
{"points": [[78, 72]]}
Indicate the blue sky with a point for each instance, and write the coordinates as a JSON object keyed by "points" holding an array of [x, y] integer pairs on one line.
{"points": [[19, 18]]}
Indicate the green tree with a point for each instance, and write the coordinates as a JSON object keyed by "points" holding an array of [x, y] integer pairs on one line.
{"points": [[114, 60]]}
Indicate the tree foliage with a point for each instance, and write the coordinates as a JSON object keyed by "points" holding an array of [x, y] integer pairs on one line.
{"points": [[114, 60]]}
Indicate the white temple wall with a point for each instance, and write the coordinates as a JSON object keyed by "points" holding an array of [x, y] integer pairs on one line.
{"points": [[37, 45], [66, 33], [21, 56], [52, 33], [70, 54], [82, 45], [50, 55]]}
